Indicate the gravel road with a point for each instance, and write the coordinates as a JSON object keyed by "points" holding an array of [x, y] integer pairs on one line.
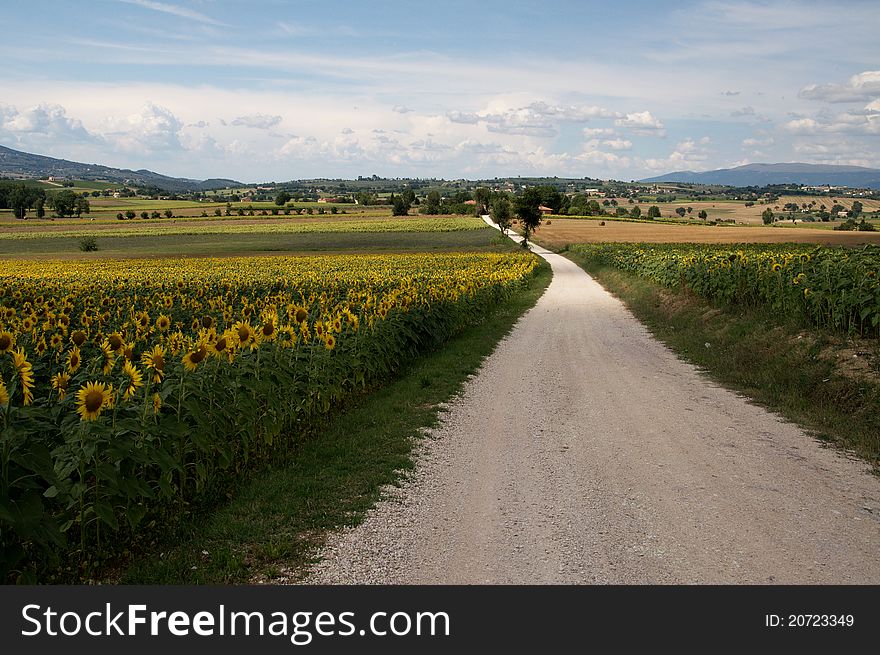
{"points": [[584, 451]]}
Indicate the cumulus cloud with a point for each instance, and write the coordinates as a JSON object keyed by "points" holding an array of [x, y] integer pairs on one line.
{"points": [[688, 155], [347, 130], [538, 119], [865, 122], [153, 129], [643, 123], [257, 121], [753, 142], [595, 132], [42, 122], [401, 109], [858, 88]]}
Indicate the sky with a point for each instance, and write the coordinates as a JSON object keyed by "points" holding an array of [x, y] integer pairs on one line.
{"points": [[275, 90]]}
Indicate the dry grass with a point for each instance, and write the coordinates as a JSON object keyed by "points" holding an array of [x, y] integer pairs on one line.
{"points": [[562, 232]]}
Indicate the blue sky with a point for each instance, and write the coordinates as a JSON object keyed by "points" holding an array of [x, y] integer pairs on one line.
{"points": [[277, 90]]}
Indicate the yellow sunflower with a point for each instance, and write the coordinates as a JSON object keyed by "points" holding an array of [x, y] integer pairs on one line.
{"points": [[7, 342], [155, 362], [74, 359], [329, 341], [25, 375], [116, 342], [78, 337], [59, 383], [135, 380], [4, 394], [157, 403], [109, 357], [245, 334], [163, 323], [92, 399], [195, 357]]}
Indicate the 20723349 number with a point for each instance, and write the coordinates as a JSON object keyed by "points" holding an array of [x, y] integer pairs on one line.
{"points": [[809, 621]]}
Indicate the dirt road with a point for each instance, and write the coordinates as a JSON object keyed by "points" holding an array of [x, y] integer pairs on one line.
{"points": [[585, 452]]}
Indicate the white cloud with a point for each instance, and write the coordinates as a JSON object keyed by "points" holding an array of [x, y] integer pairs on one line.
{"points": [[45, 121], [257, 121], [401, 109], [866, 122], [745, 111], [643, 123], [595, 132], [174, 10], [753, 142], [618, 144], [858, 88], [688, 155], [153, 129]]}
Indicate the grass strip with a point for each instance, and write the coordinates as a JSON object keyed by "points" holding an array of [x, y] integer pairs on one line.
{"points": [[273, 523], [804, 375]]}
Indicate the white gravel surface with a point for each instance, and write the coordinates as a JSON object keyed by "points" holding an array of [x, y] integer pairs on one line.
{"points": [[584, 451]]}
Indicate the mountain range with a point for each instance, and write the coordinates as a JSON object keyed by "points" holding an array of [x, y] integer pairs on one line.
{"points": [[24, 164], [765, 174]]}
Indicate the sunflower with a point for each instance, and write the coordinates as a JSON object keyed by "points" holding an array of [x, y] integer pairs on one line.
{"points": [[27, 324], [195, 325], [300, 315], [25, 375], [288, 335], [157, 403], [268, 331], [109, 357], [74, 359], [92, 399], [245, 334], [195, 357], [117, 343], [207, 322], [777, 268], [163, 323], [128, 351], [155, 362], [4, 394], [143, 320], [329, 342], [135, 380], [56, 341], [223, 345], [59, 383], [7, 342]]}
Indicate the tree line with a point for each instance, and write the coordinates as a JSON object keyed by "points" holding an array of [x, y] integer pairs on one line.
{"points": [[22, 198]]}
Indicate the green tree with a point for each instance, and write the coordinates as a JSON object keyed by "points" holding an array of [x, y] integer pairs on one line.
{"points": [[526, 207], [653, 211], [282, 198], [856, 208], [702, 214], [129, 214], [482, 196], [767, 216], [168, 213], [500, 211], [681, 211], [635, 212], [409, 197], [81, 206], [399, 206], [432, 203], [64, 202]]}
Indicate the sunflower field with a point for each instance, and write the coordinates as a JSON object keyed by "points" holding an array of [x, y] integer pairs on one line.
{"points": [[830, 288], [131, 389]]}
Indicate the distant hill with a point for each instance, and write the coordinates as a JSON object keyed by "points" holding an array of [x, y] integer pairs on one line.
{"points": [[24, 164], [764, 174]]}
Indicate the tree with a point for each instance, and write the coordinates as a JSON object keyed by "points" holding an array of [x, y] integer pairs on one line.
{"points": [[856, 208], [653, 211], [81, 206], [500, 212], [635, 212], [409, 197], [399, 206], [365, 198], [432, 203], [681, 211], [282, 198], [526, 207], [482, 195], [64, 202], [767, 216], [145, 215], [168, 213], [702, 214], [129, 214]]}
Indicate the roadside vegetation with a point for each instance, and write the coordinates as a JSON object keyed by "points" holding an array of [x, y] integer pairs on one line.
{"points": [[793, 327]]}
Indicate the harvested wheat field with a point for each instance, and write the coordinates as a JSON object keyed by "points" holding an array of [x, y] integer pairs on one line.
{"points": [[561, 231]]}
